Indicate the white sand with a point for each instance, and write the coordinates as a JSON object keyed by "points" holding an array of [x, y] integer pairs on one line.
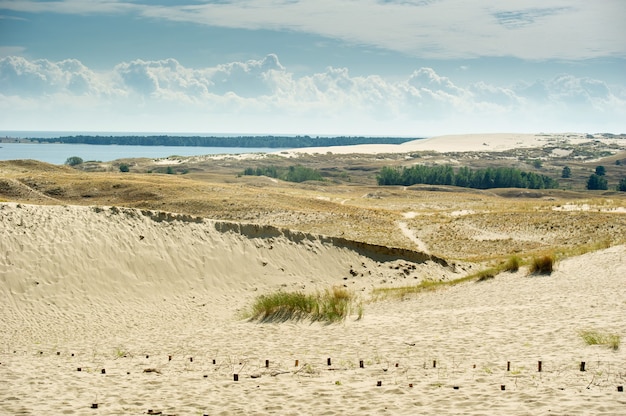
{"points": [[122, 292], [491, 142]]}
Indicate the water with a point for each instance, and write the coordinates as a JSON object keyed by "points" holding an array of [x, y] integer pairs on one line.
{"points": [[58, 153]]}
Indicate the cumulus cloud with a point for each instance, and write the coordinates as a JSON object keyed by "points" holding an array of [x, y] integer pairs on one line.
{"points": [[261, 93]]}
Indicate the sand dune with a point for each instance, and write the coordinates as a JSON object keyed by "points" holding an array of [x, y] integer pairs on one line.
{"points": [[123, 291], [488, 142]]}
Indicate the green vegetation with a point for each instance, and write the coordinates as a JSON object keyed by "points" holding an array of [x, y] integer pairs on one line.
{"points": [[290, 174], [465, 177], [597, 182], [566, 173], [622, 185], [600, 170], [124, 167], [543, 264], [592, 337], [512, 264], [330, 306], [73, 161]]}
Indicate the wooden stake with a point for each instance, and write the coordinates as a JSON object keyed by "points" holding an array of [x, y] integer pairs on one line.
{"points": [[94, 405], [361, 364], [191, 359], [296, 363], [582, 366], [434, 363], [620, 388], [328, 361], [508, 366], [104, 371], [502, 387], [236, 377], [267, 363], [379, 383], [539, 366]]}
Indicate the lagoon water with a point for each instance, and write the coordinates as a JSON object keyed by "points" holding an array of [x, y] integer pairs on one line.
{"points": [[58, 153]]}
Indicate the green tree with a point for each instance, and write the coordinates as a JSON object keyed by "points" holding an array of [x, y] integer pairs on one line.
{"points": [[73, 161], [600, 170], [566, 173], [124, 167], [597, 182], [622, 185]]}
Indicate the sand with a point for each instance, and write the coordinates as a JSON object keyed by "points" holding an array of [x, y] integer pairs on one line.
{"points": [[148, 306], [116, 311], [490, 142]]}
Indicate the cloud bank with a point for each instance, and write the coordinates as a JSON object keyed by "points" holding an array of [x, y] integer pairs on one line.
{"points": [[442, 29], [263, 96]]}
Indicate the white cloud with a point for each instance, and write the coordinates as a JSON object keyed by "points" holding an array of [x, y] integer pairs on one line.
{"points": [[530, 29], [262, 96]]}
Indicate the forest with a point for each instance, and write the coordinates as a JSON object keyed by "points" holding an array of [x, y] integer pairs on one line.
{"points": [[501, 177], [284, 142]]}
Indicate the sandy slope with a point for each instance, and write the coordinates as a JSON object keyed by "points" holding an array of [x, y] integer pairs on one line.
{"points": [[489, 142], [124, 290]]}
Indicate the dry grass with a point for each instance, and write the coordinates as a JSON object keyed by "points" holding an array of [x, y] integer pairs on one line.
{"points": [[593, 337], [330, 306], [467, 225], [543, 264]]}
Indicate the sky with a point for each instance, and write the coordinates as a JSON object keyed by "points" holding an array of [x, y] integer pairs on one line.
{"points": [[409, 68]]}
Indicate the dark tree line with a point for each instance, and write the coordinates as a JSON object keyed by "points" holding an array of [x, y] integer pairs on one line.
{"points": [[284, 142], [465, 177], [290, 174]]}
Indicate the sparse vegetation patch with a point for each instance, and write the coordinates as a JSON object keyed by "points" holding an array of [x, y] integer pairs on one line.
{"points": [[290, 174], [593, 337], [330, 306], [543, 264]]}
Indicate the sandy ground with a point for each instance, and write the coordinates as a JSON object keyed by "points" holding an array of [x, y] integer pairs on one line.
{"points": [[491, 142], [148, 307]]}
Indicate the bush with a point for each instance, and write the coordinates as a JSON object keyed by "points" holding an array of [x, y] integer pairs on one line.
{"points": [[124, 167], [566, 173], [543, 264], [597, 182], [73, 161]]}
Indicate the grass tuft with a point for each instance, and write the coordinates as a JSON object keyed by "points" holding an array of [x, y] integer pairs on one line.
{"points": [[332, 305], [512, 264], [543, 264], [592, 337]]}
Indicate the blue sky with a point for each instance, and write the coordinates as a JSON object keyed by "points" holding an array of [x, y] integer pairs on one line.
{"points": [[354, 67]]}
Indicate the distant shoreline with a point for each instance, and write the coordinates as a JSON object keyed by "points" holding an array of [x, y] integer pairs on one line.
{"points": [[267, 141]]}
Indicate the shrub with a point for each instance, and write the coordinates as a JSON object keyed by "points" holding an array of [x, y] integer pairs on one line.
{"points": [[592, 337], [543, 264], [597, 182], [124, 168], [73, 161], [567, 172]]}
